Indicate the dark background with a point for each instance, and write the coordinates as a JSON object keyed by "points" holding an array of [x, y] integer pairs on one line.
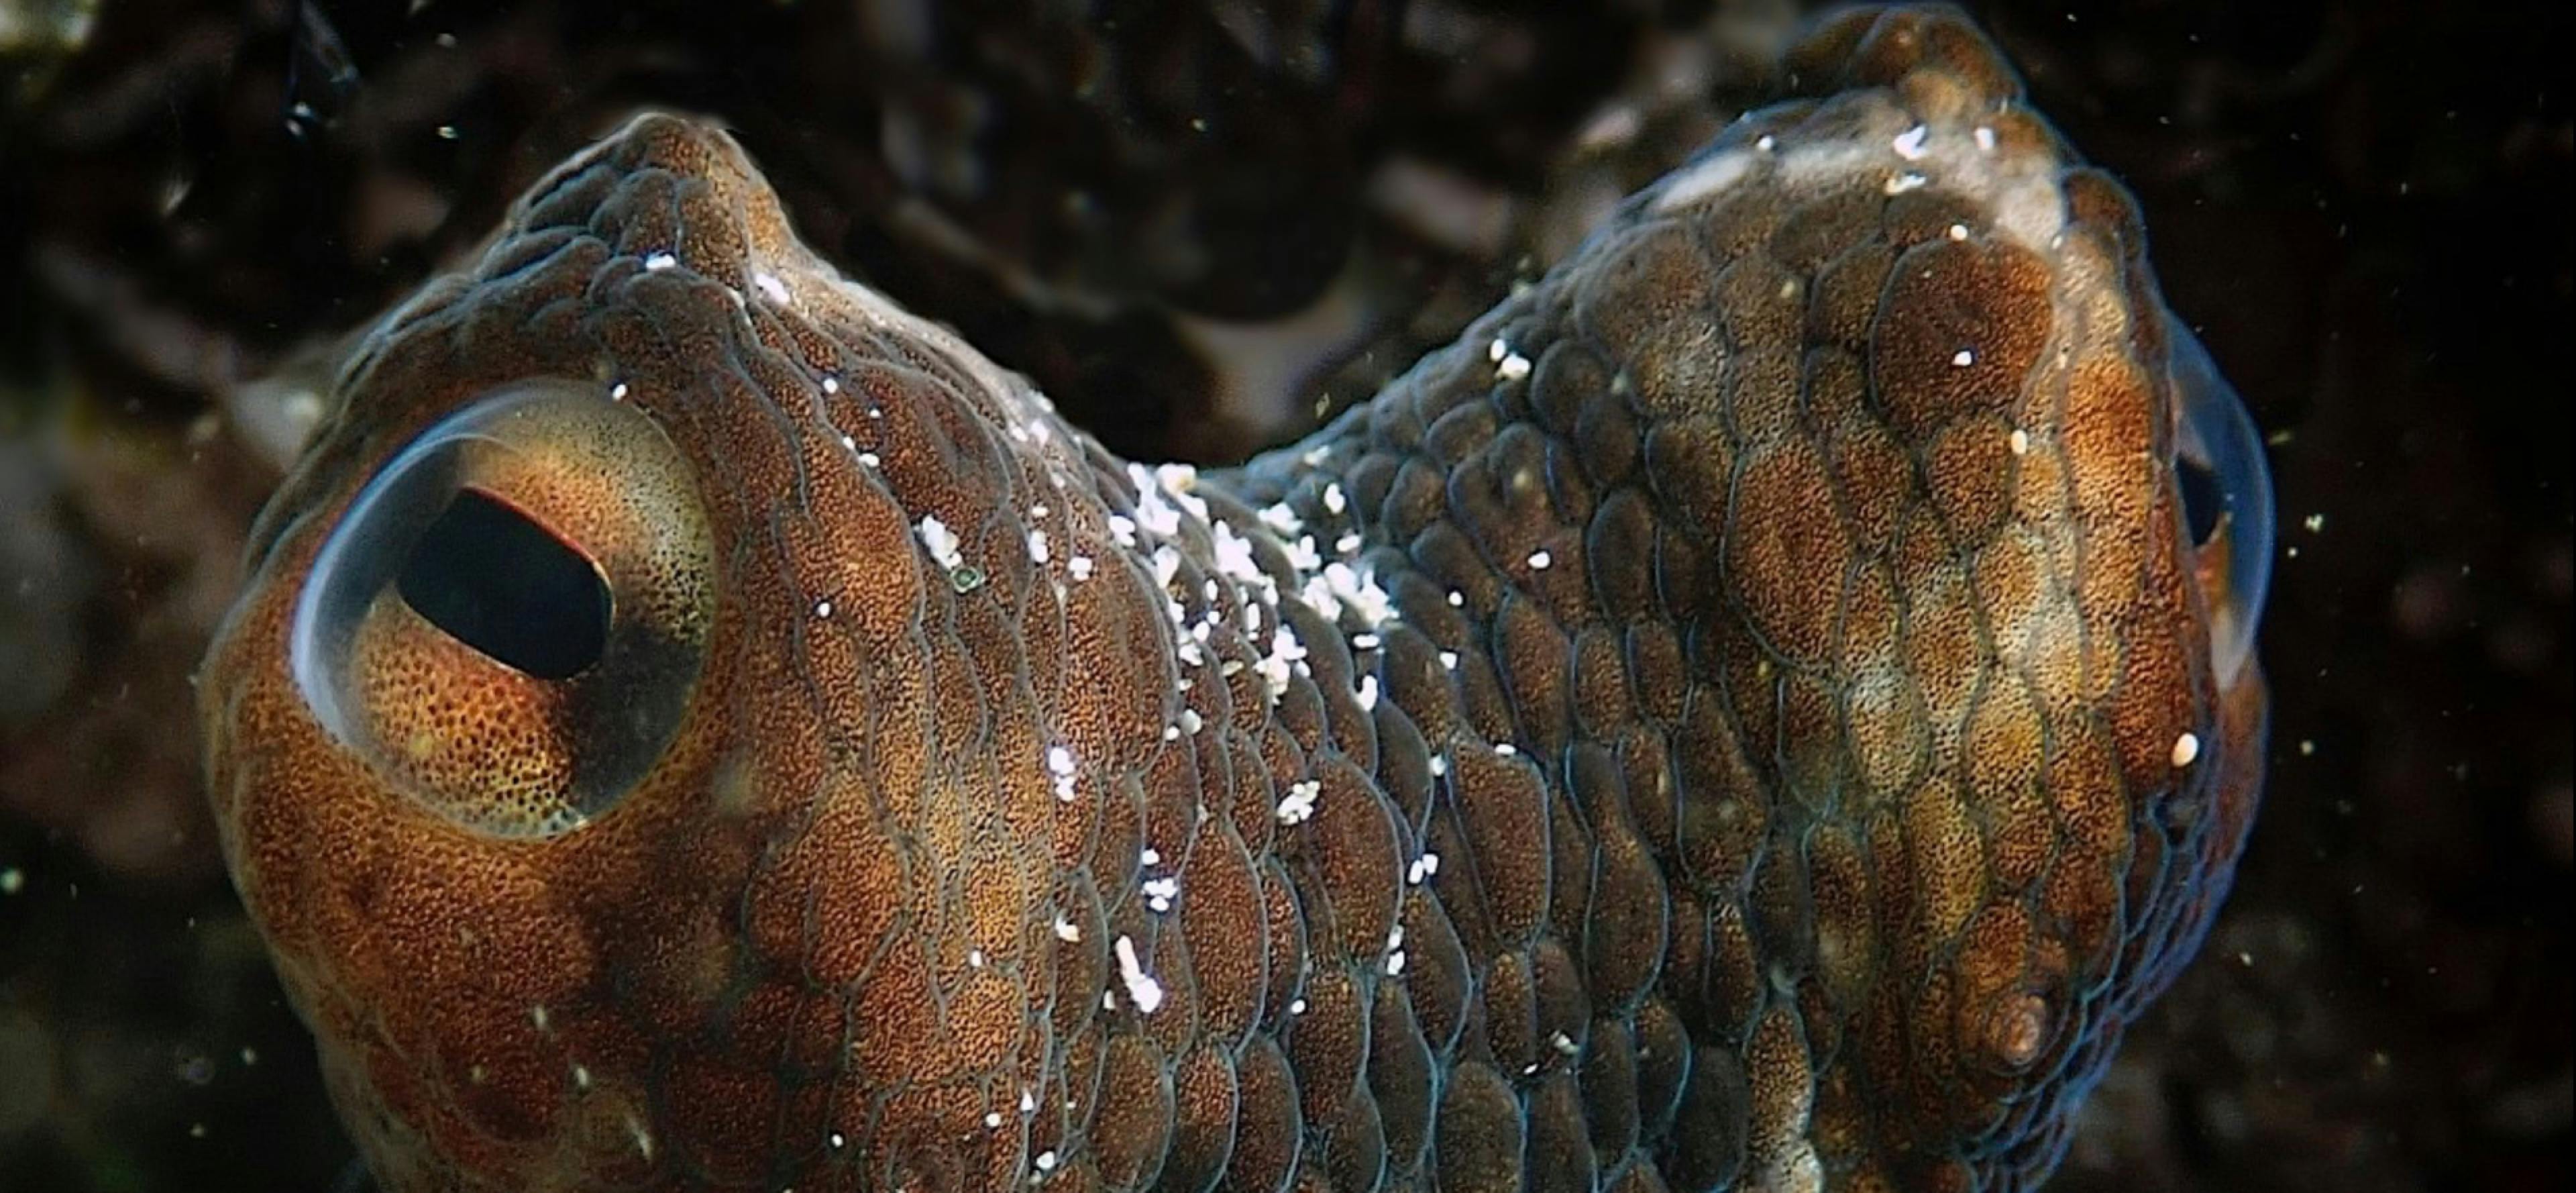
{"points": [[2364, 207]]}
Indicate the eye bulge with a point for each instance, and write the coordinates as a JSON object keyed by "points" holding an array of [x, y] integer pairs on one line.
{"points": [[2226, 494], [509, 619]]}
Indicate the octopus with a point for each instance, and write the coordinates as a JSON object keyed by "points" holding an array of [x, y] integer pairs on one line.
{"points": [[1764, 710]]}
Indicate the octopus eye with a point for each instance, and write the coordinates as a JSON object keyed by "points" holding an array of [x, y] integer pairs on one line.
{"points": [[2226, 491], [499, 581], [509, 620]]}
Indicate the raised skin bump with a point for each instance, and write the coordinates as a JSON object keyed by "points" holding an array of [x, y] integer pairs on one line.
{"points": [[1720, 725]]}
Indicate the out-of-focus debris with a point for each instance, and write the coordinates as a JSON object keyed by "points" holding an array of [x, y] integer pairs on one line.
{"points": [[37, 37]]}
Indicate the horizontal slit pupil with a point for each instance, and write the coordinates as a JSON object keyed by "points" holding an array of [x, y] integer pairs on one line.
{"points": [[2204, 501], [495, 580]]}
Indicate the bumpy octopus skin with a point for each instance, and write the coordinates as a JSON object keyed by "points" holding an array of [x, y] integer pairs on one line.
{"points": [[1753, 714]]}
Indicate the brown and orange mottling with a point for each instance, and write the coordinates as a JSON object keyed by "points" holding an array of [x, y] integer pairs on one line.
{"points": [[1745, 717]]}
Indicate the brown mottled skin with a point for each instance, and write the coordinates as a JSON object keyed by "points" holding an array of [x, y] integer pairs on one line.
{"points": [[1721, 725]]}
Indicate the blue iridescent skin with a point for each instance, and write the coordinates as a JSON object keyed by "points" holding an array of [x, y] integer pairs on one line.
{"points": [[1766, 709]]}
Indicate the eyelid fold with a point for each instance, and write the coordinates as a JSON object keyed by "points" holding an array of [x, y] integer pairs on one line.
{"points": [[2215, 431]]}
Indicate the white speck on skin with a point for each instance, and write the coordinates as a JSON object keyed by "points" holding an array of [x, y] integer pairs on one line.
{"points": [[1299, 807], [1539, 560], [657, 262], [1958, 231], [1334, 499], [1985, 138], [618, 392], [1066, 931], [1281, 520], [1234, 555], [1142, 989], [1907, 181], [1512, 367], [2020, 442], [2185, 749], [940, 541], [1909, 144], [1963, 358], [769, 286]]}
